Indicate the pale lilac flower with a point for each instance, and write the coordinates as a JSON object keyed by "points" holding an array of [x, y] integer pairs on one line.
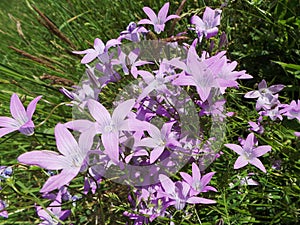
{"points": [[159, 140], [197, 73], [179, 194], [99, 49], [22, 119], [56, 213], [158, 21], [130, 62], [71, 160], [266, 98], [109, 126], [256, 127], [292, 111], [198, 184], [132, 32], [249, 153], [207, 26]]}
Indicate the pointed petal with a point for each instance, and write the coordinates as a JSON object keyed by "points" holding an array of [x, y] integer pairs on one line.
{"points": [[238, 149], [252, 94], [196, 172], [8, 122], [99, 112], [147, 142], [17, 109], [151, 14], [261, 150], [66, 143], [249, 143], [256, 162], [240, 162], [145, 21], [122, 111], [206, 178], [45, 159], [111, 43], [79, 125], [166, 129], [89, 57], [59, 180], [111, 144], [4, 131], [156, 153], [167, 184], [197, 200], [186, 177], [31, 107], [184, 80], [99, 46], [163, 12], [172, 17]]}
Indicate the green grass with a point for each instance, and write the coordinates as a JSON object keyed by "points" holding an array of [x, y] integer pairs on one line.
{"points": [[275, 201]]}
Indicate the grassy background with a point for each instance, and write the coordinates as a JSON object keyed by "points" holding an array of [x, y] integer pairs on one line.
{"points": [[259, 32]]}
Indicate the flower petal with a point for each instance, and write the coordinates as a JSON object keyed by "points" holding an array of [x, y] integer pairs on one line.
{"points": [[238, 149], [8, 122], [99, 112], [59, 180], [163, 12], [256, 162], [151, 14], [197, 200], [46, 159], [122, 110], [240, 162], [17, 109], [31, 107], [66, 143], [167, 184], [261, 150], [7, 130], [110, 141]]}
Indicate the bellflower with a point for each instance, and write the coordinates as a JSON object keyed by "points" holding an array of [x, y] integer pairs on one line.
{"points": [[207, 26], [197, 73], [56, 213], [98, 50], [159, 140], [22, 119], [197, 183], [179, 194], [292, 111], [71, 161], [158, 21], [249, 153], [132, 32]]}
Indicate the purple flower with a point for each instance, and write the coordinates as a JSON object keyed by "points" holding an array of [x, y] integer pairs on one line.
{"points": [[292, 111], [248, 153], [197, 183], [208, 25], [199, 74], [266, 98], [3, 212], [99, 49], [158, 21], [159, 140], [71, 160], [110, 126], [132, 32], [256, 127], [56, 213], [22, 119], [179, 194]]}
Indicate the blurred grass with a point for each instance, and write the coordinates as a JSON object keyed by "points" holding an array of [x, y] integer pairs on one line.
{"points": [[275, 201]]}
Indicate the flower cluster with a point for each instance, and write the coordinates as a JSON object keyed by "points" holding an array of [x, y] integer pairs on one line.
{"points": [[114, 143]]}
